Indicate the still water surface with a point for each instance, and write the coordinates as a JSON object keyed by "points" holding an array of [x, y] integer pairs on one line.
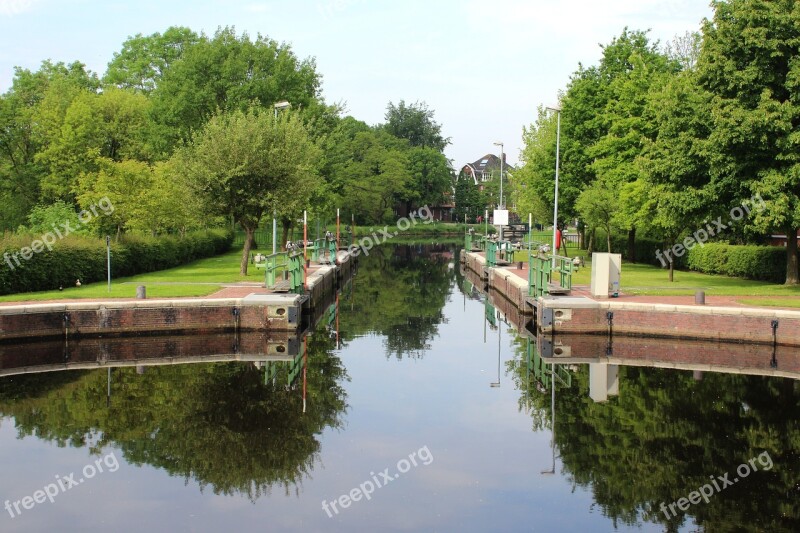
{"points": [[418, 379]]}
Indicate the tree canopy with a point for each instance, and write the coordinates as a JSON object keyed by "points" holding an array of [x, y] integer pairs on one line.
{"points": [[681, 133]]}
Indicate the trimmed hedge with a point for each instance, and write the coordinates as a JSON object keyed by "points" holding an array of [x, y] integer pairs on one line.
{"points": [[765, 263], [74, 258]]}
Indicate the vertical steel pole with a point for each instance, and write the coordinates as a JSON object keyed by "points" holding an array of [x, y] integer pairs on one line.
{"points": [[555, 207], [274, 232], [305, 250], [108, 260]]}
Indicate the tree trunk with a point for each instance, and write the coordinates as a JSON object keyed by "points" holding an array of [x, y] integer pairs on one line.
{"points": [[590, 246], [286, 225], [671, 270], [248, 239], [608, 239], [791, 257], [632, 245]]}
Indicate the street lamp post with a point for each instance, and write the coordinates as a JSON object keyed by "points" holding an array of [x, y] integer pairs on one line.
{"points": [[278, 106], [501, 204], [557, 110]]}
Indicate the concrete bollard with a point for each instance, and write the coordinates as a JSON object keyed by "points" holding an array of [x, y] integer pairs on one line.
{"points": [[700, 298], [141, 292]]}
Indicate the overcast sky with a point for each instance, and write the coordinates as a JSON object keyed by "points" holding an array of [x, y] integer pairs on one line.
{"points": [[483, 66]]}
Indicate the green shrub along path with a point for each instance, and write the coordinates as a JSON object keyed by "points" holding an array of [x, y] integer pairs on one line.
{"points": [[198, 278]]}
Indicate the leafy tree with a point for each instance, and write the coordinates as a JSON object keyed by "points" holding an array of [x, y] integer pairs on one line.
{"points": [[674, 165], [468, 199], [43, 218], [597, 206], [32, 114], [124, 184], [368, 170], [245, 164], [19, 173], [143, 60], [416, 124], [431, 178], [749, 64], [628, 127], [225, 73], [535, 193]]}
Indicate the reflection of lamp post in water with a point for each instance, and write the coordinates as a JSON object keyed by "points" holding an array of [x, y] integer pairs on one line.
{"points": [[499, 333], [552, 418]]}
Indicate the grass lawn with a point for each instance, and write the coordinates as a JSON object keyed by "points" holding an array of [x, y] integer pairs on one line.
{"points": [[650, 280], [199, 278]]}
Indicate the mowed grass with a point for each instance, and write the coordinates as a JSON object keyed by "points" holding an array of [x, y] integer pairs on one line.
{"points": [[198, 278], [651, 280]]}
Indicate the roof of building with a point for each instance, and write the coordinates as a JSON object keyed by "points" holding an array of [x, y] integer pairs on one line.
{"points": [[489, 162]]}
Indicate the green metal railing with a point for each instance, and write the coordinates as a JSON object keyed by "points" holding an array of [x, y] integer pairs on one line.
{"points": [[541, 270], [489, 312], [275, 263], [495, 248], [322, 247], [296, 270], [538, 275], [290, 264], [295, 367], [542, 371], [564, 267]]}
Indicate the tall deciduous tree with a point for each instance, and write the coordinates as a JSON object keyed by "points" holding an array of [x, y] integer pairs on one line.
{"points": [[247, 163], [229, 72], [750, 63], [144, 59], [535, 192], [416, 124]]}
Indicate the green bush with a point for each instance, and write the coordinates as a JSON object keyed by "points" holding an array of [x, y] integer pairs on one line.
{"points": [[765, 263], [709, 259], [82, 258]]}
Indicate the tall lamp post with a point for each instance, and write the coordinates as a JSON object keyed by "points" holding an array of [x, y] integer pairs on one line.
{"points": [[278, 106], [557, 111], [501, 204]]}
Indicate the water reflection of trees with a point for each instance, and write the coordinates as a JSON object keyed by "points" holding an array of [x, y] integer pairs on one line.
{"points": [[222, 425], [667, 433], [399, 293]]}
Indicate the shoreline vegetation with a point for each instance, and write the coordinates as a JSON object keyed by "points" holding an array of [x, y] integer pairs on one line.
{"points": [[204, 277]]}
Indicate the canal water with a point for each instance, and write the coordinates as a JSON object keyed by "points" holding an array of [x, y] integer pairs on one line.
{"points": [[413, 405]]}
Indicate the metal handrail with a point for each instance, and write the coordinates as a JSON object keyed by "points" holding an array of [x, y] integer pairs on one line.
{"points": [[291, 264], [274, 263], [540, 273], [495, 248]]}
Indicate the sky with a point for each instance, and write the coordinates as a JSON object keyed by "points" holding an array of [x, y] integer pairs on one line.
{"points": [[482, 66]]}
